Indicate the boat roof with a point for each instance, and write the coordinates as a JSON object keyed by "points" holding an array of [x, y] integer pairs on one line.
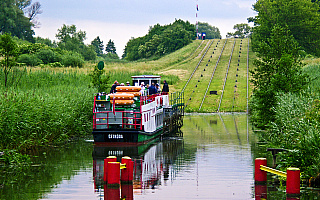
{"points": [[145, 76]]}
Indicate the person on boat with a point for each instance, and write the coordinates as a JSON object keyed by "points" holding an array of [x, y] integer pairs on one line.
{"points": [[128, 83], [122, 84], [152, 89], [165, 88], [142, 88], [113, 87], [158, 88]]}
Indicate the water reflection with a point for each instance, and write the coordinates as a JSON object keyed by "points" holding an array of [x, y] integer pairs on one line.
{"points": [[152, 164], [213, 160]]}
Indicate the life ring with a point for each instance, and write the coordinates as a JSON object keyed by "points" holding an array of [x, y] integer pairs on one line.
{"points": [[121, 96], [128, 88], [122, 102]]}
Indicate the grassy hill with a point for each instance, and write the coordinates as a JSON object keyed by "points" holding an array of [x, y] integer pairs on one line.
{"points": [[200, 60]]}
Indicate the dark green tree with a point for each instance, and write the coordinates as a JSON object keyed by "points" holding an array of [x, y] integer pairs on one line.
{"points": [[160, 40], [277, 69], [111, 48], [12, 20], [8, 55], [97, 45], [301, 17], [212, 32]]}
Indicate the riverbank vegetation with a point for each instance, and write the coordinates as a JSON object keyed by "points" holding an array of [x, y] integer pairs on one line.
{"points": [[285, 101]]}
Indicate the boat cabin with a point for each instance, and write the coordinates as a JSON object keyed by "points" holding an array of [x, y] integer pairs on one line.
{"points": [[146, 79]]}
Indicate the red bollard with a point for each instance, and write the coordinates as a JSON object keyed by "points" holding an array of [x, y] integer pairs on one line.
{"points": [[105, 166], [127, 191], [113, 177], [127, 173], [259, 175], [293, 181]]}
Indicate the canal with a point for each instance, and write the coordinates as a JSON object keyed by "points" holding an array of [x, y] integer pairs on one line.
{"points": [[213, 160]]}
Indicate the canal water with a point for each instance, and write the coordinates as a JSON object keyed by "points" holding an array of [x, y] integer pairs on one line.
{"points": [[213, 160]]}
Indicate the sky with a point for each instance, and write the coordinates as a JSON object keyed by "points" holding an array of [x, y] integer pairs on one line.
{"points": [[120, 20]]}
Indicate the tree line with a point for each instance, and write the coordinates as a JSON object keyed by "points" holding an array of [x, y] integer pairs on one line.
{"points": [[160, 40]]}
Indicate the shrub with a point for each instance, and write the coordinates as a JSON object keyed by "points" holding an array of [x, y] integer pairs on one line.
{"points": [[72, 60], [46, 55], [30, 60]]}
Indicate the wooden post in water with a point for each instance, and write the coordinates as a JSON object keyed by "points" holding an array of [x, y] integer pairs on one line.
{"points": [[259, 175]]}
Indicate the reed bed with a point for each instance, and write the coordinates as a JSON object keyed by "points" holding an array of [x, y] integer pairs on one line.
{"points": [[45, 107]]}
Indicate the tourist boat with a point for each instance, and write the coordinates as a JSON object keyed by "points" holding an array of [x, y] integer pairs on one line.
{"points": [[131, 116]]}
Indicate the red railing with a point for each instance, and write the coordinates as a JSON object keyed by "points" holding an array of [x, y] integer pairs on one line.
{"points": [[143, 101]]}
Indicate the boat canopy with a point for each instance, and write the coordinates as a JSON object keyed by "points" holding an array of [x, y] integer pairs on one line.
{"points": [[146, 79]]}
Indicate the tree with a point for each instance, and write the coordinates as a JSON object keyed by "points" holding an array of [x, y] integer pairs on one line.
{"points": [[212, 32], [32, 12], [8, 50], [70, 34], [301, 17], [97, 45], [241, 30], [110, 48], [160, 40], [99, 81], [12, 20], [277, 70], [72, 40]]}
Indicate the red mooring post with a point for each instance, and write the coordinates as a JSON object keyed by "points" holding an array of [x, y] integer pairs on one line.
{"points": [[293, 181], [127, 173], [259, 175], [105, 166], [113, 178]]}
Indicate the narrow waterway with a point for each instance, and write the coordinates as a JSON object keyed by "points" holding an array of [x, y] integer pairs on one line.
{"points": [[213, 160]]}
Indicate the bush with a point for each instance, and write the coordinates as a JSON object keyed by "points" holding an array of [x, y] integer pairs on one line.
{"points": [[46, 55], [30, 60], [72, 60]]}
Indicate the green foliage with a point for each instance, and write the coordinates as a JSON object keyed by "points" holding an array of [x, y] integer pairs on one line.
{"points": [[46, 55], [277, 70], [97, 46], [241, 30], [45, 108], [160, 40], [29, 60], [12, 20], [296, 127], [300, 16], [99, 80], [110, 47], [72, 40], [72, 60], [8, 51], [212, 32]]}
